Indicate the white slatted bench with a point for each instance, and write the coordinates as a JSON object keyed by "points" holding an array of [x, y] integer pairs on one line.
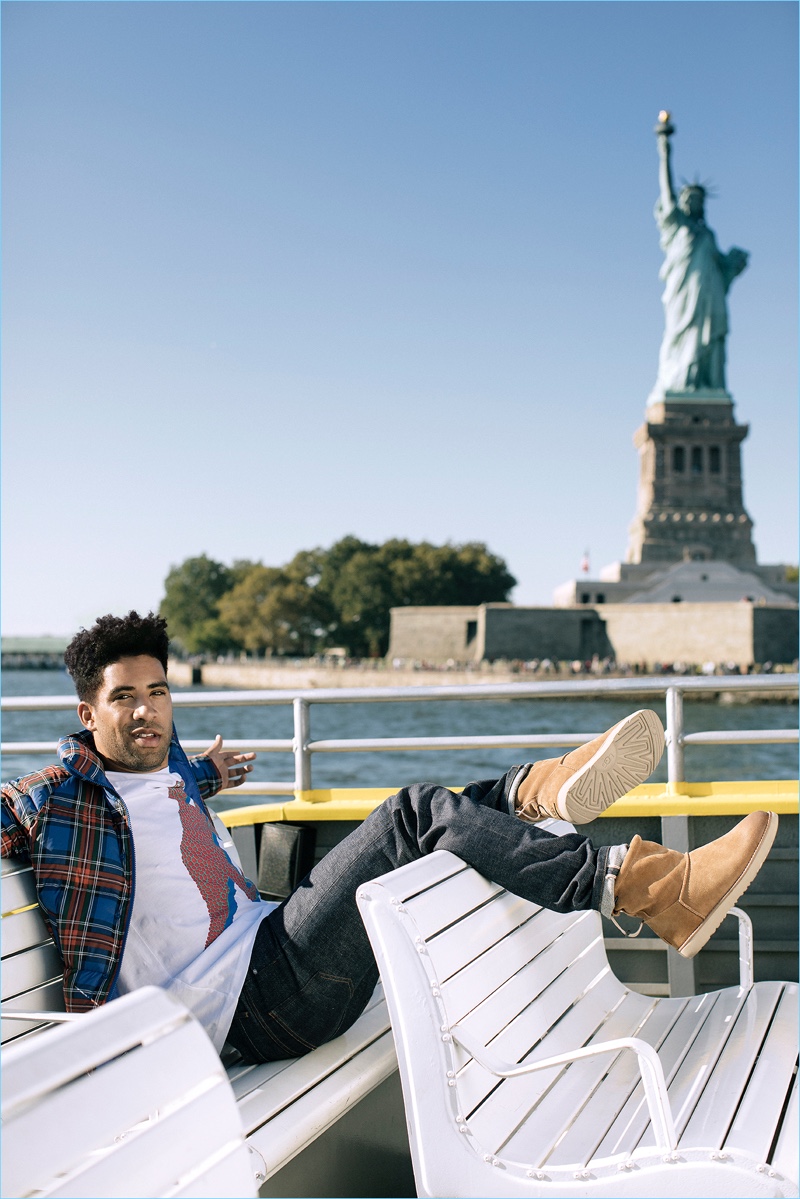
{"points": [[130, 1099], [284, 1106], [498, 1008]]}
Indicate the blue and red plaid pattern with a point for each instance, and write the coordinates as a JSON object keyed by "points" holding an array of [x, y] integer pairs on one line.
{"points": [[71, 824]]}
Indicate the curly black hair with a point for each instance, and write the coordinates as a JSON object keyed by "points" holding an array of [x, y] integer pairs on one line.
{"points": [[110, 638]]}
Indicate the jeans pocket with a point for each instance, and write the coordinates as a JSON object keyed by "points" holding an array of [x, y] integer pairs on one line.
{"points": [[313, 1015]]}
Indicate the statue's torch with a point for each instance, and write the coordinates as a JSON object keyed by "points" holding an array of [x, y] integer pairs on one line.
{"points": [[664, 128]]}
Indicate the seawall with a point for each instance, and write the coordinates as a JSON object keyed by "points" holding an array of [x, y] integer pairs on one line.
{"points": [[256, 676]]}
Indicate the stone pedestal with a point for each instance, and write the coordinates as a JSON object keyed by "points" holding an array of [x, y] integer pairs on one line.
{"points": [[690, 505]]}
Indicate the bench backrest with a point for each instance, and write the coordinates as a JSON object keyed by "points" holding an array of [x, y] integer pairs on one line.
{"points": [[32, 974], [159, 1118]]}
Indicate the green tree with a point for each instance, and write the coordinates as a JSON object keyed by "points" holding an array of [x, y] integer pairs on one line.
{"points": [[364, 581], [192, 592], [361, 596], [465, 574], [339, 596], [275, 609]]}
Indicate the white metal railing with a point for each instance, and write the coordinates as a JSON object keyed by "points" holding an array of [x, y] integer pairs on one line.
{"points": [[674, 829], [303, 747]]}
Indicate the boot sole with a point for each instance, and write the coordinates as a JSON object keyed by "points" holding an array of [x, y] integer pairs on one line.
{"points": [[713, 920], [628, 756]]}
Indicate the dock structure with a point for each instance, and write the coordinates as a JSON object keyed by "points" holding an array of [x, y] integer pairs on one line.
{"points": [[33, 653]]}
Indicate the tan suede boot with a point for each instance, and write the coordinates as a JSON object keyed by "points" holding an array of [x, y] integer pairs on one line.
{"points": [[684, 897], [582, 784]]}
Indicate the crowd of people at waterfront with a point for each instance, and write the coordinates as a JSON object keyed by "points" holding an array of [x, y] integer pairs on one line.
{"points": [[597, 666], [536, 667], [540, 667]]}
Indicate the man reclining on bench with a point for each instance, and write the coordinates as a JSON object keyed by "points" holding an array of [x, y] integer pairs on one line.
{"points": [[136, 888]]}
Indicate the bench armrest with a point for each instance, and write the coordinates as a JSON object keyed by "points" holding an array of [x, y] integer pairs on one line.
{"points": [[652, 1073], [746, 976]]}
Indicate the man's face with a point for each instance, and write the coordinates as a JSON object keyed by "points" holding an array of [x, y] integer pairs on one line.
{"points": [[131, 715]]}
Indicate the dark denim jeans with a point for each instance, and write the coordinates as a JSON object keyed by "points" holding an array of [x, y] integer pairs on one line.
{"points": [[312, 970]]}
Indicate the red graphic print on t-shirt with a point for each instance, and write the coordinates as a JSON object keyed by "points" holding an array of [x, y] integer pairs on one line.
{"points": [[206, 861]]}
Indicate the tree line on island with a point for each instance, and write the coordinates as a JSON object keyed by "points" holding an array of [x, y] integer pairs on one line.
{"points": [[323, 598]]}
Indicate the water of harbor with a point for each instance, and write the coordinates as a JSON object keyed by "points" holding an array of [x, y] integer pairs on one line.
{"points": [[416, 719]]}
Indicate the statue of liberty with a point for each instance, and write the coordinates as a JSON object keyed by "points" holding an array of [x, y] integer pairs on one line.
{"points": [[697, 277]]}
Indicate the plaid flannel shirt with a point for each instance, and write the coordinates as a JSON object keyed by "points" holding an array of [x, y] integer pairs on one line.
{"points": [[73, 826]]}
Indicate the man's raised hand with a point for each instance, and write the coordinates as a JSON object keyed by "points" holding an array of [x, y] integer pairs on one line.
{"points": [[233, 768]]}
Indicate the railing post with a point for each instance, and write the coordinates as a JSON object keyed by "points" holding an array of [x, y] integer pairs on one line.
{"points": [[675, 835], [302, 735], [674, 735]]}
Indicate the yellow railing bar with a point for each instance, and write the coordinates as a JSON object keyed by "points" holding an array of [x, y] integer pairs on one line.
{"points": [[650, 799], [18, 911]]}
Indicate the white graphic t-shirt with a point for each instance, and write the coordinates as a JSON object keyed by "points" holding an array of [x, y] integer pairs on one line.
{"points": [[195, 915]]}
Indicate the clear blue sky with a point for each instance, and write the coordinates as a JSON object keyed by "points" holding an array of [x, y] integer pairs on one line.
{"points": [[278, 272]]}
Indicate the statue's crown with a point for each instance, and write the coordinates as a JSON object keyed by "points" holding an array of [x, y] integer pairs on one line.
{"points": [[702, 189]]}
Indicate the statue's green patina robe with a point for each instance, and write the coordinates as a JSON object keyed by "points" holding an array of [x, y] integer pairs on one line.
{"points": [[696, 277]]}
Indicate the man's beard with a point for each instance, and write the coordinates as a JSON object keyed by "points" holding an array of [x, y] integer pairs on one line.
{"points": [[141, 758]]}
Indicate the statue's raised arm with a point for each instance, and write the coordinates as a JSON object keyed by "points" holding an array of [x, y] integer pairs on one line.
{"points": [[696, 280], [663, 131]]}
